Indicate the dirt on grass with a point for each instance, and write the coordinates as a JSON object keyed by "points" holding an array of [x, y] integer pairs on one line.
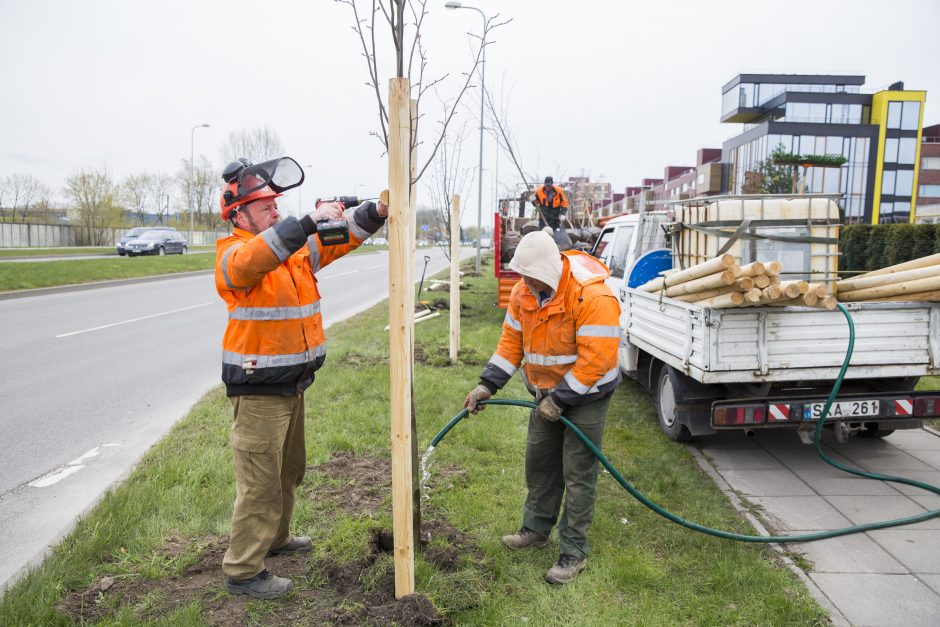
{"points": [[325, 592]]}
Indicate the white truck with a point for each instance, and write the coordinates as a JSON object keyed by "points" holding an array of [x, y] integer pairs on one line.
{"points": [[767, 367]]}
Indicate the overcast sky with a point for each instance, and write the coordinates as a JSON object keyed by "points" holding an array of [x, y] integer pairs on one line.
{"points": [[614, 90]]}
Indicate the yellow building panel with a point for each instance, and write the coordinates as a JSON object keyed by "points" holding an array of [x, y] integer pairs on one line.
{"points": [[879, 116]]}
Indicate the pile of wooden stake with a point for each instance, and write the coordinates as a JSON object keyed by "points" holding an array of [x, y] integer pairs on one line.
{"points": [[721, 283], [916, 280]]}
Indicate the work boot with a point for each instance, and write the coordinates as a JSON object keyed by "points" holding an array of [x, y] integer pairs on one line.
{"points": [[565, 569], [264, 585], [297, 544], [523, 539]]}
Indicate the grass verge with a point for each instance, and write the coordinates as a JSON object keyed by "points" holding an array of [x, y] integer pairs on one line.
{"points": [[926, 384], [30, 275], [34, 274], [165, 522], [55, 252]]}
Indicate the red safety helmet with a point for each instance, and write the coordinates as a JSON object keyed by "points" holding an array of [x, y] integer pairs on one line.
{"points": [[246, 182]]}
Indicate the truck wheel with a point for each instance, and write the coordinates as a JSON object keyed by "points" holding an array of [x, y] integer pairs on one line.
{"points": [[666, 408], [871, 430]]}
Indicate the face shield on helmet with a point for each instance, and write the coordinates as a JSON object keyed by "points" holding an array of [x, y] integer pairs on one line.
{"points": [[246, 182]]}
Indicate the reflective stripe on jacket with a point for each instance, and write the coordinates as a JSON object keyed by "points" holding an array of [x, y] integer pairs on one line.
{"points": [[569, 343], [274, 340], [559, 199]]}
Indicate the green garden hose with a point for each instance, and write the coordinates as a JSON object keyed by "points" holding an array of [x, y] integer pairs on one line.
{"points": [[806, 537]]}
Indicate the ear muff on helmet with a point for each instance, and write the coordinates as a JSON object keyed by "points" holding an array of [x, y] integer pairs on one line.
{"points": [[246, 182]]}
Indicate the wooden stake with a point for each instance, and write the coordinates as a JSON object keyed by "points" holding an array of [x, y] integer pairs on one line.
{"points": [[718, 264], [887, 279], [752, 269], [894, 289], [933, 295], [454, 278], [413, 212], [704, 283], [731, 299], [792, 289], [761, 281], [744, 283], [913, 264], [773, 268], [401, 321], [819, 289]]}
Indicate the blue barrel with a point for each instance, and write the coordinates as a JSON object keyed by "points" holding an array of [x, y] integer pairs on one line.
{"points": [[648, 266]]}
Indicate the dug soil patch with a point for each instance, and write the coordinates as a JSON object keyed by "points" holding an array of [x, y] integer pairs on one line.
{"points": [[325, 592]]}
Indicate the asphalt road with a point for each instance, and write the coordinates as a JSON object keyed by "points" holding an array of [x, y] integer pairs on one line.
{"points": [[91, 379]]}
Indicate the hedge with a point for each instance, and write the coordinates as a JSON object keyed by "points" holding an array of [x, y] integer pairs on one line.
{"points": [[867, 247]]}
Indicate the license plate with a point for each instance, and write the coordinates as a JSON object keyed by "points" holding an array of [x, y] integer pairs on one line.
{"points": [[844, 409]]}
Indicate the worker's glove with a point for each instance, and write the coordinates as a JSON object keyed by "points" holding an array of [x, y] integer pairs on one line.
{"points": [[548, 409], [476, 395]]}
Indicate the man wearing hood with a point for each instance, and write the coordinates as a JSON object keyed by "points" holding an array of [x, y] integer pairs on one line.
{"points": [[564, 322]]}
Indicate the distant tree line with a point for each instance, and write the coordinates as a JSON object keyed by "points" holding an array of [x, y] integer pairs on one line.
{"points": [[867, 247], [94, 201]]}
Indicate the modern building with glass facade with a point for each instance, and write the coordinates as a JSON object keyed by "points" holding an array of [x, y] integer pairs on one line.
{"points": [[878, 133]]}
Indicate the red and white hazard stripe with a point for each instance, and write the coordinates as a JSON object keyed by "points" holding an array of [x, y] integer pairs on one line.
{"points": [[779, 411], [903, 407]]}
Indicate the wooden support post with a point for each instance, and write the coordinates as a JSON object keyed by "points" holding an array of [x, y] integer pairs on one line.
{"points": [[413, 195], [454, 278], [401, 304]]}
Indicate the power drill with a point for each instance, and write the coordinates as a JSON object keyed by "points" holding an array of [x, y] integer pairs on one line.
{"points": [[335, 232]]}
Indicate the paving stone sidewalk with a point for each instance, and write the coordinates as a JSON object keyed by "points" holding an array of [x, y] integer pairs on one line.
{"points": [[880, 578]]}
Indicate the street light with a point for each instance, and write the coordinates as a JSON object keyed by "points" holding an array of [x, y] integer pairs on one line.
{"points": [[192, 172], [460, 5]]}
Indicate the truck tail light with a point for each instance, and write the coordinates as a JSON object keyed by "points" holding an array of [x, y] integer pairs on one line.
{"points": [[733, 415], [926, 406]]}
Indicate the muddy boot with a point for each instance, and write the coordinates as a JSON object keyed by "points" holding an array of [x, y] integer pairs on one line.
{"points": [[523, 539], [565, 569], [264, 585], [297, 544]]}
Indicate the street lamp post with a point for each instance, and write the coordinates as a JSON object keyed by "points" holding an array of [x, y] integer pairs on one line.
{"points": [[459, 5], [192, 172]]}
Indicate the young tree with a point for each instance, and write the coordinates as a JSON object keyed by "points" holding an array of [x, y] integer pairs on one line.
{"points": [[134, 194], [256, 144], [777, 179], [447, 179], [405, 18], [159, 188], [92, 196]]}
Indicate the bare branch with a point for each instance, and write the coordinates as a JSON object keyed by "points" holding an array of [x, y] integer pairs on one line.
{"points": [[489, 25], [371, 63], [507, 141]]}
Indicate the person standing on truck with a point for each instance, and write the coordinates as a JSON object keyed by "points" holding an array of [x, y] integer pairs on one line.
{"points": [[551, 202], [272, 347], [565, 322]]}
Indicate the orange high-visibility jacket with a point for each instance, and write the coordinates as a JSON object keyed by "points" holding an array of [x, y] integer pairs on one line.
{"points": [[274, 340], [570, 342], [558, 200]]}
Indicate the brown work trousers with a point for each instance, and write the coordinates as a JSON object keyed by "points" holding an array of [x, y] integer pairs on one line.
{"points": [[270, 456]]}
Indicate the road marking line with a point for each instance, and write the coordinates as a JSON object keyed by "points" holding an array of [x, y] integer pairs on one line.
{"points": [[115, 324], [78, 460], [333, 276], [55, 477]]}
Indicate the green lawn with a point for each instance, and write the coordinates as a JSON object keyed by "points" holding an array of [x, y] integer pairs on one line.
{"points": [[50, 252], [160, 535], [33, 274]]}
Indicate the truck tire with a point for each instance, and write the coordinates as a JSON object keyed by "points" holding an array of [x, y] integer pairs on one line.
{"points": [[666, 408], [871, 430]]}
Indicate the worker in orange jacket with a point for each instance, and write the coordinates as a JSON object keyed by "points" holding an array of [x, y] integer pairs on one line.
{"points": [[551, 202], [564, 322], [272, 347]]}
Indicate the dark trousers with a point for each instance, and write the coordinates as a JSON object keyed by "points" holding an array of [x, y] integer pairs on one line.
{"points": [[558, 464], [551, 216]]}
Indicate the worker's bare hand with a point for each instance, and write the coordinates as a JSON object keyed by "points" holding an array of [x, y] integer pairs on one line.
{"points": [[327, 211]]}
